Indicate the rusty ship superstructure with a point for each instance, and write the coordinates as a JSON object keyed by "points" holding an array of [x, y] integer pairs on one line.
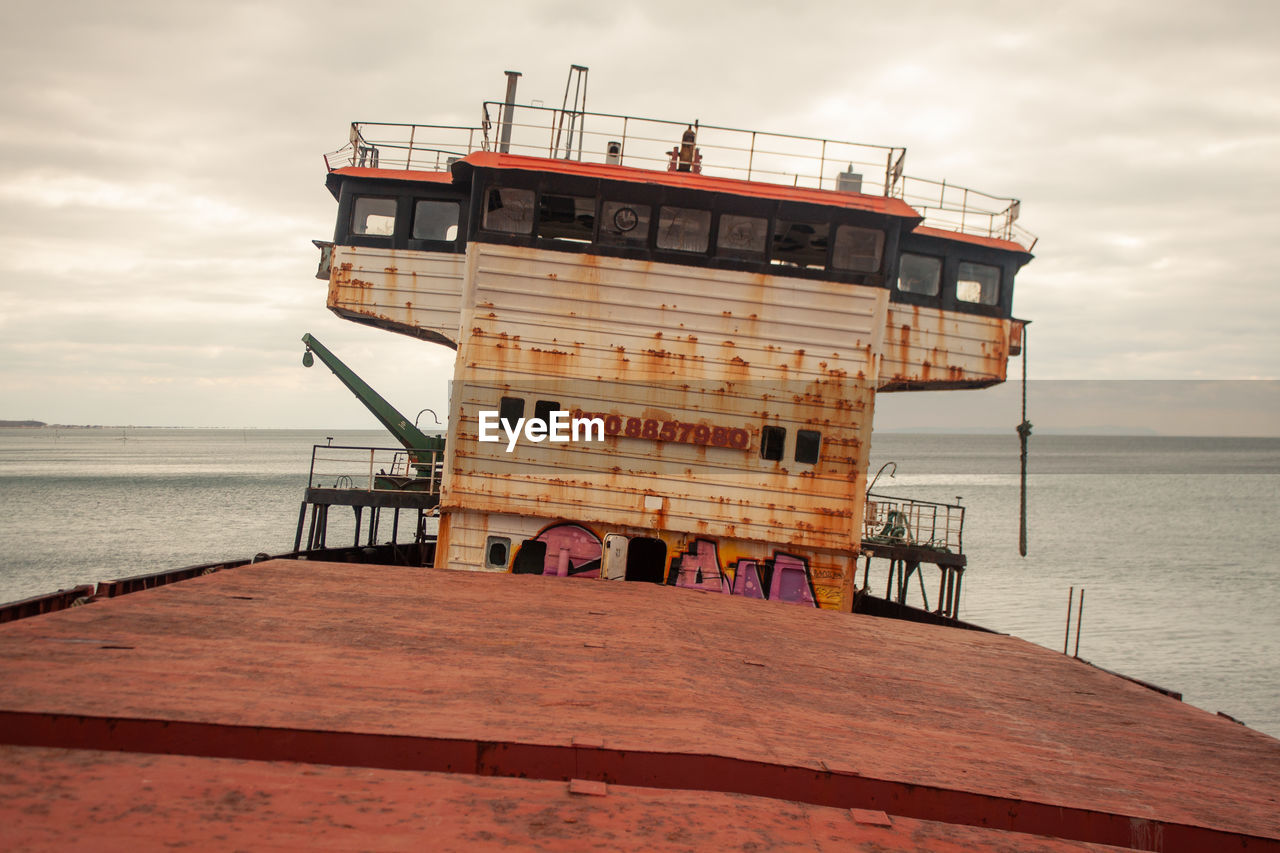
{"points": [[728, 309]]}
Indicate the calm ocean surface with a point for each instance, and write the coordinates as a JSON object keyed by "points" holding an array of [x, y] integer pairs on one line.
{"points": [[1175, 540]]}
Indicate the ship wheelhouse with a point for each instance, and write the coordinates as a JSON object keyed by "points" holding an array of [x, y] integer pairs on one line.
{"points": [[730, 336]]}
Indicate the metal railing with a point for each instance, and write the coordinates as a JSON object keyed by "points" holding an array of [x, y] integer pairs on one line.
{"points": [[429, 147], [375, 469], [646, 143], [905, 521], [955, 208], [729, 152]]}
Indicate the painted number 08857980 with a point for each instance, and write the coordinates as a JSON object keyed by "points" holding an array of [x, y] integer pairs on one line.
{"points": [[681, 431]]}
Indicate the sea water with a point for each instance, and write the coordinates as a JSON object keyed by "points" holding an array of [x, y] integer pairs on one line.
{"points": [[1174, 541]]}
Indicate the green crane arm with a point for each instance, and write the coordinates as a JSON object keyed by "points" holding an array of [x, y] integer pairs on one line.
{"points": [[400, 426]]}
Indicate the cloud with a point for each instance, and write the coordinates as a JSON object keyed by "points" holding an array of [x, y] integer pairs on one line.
{"points": [[160, 171]]}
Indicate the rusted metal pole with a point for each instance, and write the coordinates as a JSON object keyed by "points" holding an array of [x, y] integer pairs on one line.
{"points": [[508, 108], [302, 520], [1024, 433], [1067, 639], [1079, 611]]}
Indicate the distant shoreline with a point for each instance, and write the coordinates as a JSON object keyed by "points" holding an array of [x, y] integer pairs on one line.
{"points": [[43, 425], [1094, 431]]}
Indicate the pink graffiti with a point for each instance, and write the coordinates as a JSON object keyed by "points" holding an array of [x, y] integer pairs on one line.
{"points": [[791, 580], [572, 551], [746, 579], [700, 569]]}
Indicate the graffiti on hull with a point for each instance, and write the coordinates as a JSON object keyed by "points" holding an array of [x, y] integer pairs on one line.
{"points": [[785, 577], [567, 549]]}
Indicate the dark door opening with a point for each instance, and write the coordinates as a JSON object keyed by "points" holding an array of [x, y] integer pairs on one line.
{"points": [[646, 560]]}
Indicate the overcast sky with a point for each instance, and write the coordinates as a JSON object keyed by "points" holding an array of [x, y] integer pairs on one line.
{"points": [[161, 176]]}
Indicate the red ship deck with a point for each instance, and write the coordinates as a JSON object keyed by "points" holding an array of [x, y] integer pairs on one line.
{"points": [[716, 721]]}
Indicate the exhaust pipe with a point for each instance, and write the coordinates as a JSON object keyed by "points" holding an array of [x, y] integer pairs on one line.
{"points": [[508, 108]]}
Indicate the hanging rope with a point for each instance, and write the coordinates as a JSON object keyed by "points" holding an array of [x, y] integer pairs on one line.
{"points": [[1024, 432]]}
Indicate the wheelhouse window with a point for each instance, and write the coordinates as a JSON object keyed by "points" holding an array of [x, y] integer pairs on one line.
{"points": [[978, 283], [624, 224], [373, 216], [509, 209], [684, 229], [803, 244], [858, 249], [435, 220], [919, 274], [565, 217], [742, 235]]}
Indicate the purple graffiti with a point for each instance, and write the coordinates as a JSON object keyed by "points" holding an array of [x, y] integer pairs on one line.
{"points": [[746, 579], [572, 551], [700, 568], [791, 580]]}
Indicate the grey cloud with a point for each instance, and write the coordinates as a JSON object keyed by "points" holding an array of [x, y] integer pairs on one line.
{"points": [[1142, 139]]}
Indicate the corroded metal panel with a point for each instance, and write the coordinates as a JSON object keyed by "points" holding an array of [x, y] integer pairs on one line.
{"points": [[410, 292], [662, 348], [933, 349]]}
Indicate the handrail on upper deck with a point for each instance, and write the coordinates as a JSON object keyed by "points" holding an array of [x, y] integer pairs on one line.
{"points": [[646, 143]]}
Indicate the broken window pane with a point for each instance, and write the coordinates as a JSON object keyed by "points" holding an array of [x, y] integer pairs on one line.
{"points": [[978, 283], [566, 217], [858, 249], [684, 229], [509, 209], [803, 244], [919, 274]]}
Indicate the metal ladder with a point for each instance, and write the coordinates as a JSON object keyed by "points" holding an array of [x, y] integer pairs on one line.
{"points": [[572, 116]]}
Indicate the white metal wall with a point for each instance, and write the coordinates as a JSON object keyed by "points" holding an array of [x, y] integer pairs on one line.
{"points": [[946, 349], [410, 292], [669, 343]]}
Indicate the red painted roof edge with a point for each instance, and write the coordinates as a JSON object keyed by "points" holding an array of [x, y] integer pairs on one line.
{"points": [[975, 239], [395, 174], [691, 180]]}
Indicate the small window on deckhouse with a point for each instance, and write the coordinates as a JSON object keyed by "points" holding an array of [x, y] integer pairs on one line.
{"points": [[435, 220], [802, 244], [624, 224], [742, 235], [919, 274], [772, 440], [565, 217], [808, 443], [978, 283], [858, 249], [373, 216], [684, 229]]}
